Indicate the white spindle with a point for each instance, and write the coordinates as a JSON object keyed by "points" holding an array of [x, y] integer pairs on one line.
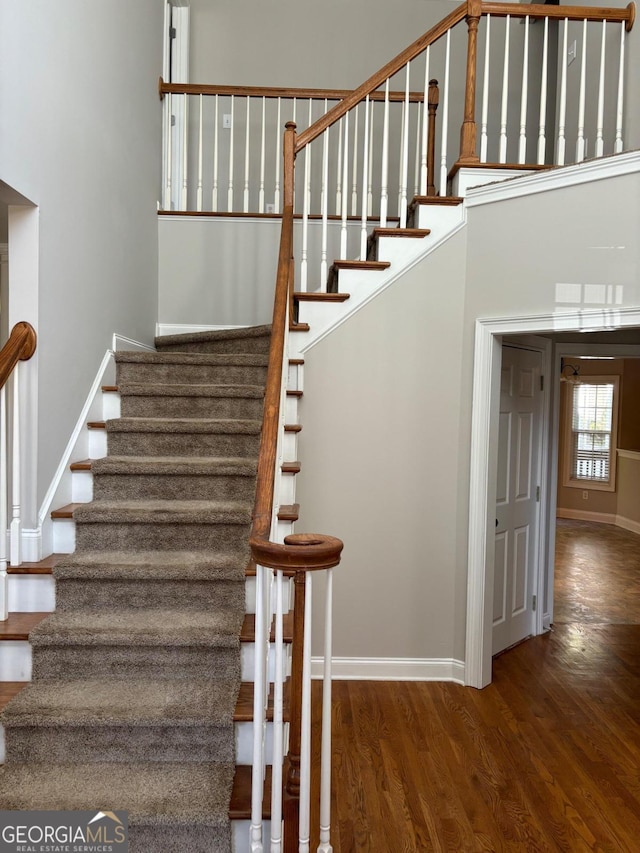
{"points": [[354, 167], [259, 688], [169, 164], [400, 157], [345, 179], [502, 153], [370, 178], [445, 117], [4, 604], [231, 133], [384, 178], [305, 740], [262, 155], [522, 145], [245, 203], [308, 149], [365, 173], [185, 122], [416, 175], [214, 192], [304, 249], [425, 127], [562, 113], [276, 193], [278, 723], [339, 170], [580, 143], [600, 119], [15, 533], [619, 109], [405, 151], [325, 749], [325, 205], [199, 190], [484, 122], [542, 138]]}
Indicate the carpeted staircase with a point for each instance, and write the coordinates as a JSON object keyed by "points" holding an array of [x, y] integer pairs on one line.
{"points": [[136, 674]]}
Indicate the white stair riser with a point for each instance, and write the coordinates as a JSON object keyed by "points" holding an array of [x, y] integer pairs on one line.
{"points": [[15, 660], [64, 536], [81, 486], [32, 594], [287, 492], [290, 445], [247, 657], [97, 443], [110, 405], [446, 219], [291, 410], [241, 840]]}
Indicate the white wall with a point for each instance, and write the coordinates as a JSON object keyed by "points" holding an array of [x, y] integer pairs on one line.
{"points": [[81, 140]]}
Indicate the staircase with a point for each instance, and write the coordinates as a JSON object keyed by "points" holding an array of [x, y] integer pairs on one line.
{"points": [[139, 675]]}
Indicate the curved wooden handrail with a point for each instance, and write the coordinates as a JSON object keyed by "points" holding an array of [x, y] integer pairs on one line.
{"points": [[573, 13], [20, 346]]}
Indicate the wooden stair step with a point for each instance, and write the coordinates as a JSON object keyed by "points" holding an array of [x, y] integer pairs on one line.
{"points": [[299, 327], [416, 233], [248, 632], [296, 361], [240, 805], [289, 512], [9, 689], [65, 511], [84, 465], [292, 428], [294, 392], [290, 467], [18, 625], [110, 389], [443, 200], [96, 425], [244, 706], [317, 296], [44, 567], [361, 265]]}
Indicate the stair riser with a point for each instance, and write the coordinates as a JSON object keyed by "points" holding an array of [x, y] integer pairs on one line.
{"points": [[231, 538], [191, 407], [31, 594], [182, 444], [129, 595], [155, 662], [85, 744], [198, 374], [173, 486]]}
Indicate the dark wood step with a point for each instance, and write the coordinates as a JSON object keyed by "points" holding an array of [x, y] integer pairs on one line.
{"points": [[96, 425], [361, 265], [244, 706], [240, 805], [65, 511], [296, 361], [289, 512], [317, 296], [438, 200], [44, 567], [248, 632], [110, 389], [299, 327], [293, 392], [18, 625], [84, 465], [290, 467], [292, 428], [377, 233]]}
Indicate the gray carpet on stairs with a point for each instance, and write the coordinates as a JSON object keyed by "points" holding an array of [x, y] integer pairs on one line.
{"points": [[136, 674]]}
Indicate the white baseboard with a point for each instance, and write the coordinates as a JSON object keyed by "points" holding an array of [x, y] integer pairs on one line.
{"points": [[628, 524], [392, 669], [187, 329], [120, 342], [584, 515]]}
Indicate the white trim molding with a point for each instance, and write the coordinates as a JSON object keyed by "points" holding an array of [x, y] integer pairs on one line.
{"points": [[188, 329], [585, 515], [120, 342], [391, 669]]}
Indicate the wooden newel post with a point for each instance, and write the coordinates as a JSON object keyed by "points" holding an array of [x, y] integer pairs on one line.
{"points": [[433, 101], [289, 153], [291, 800], [468, 132]]}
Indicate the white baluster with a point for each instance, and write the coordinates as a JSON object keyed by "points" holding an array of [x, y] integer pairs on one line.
{"points": [[169, 164], [262, 156], [618, 145], [15, 536], [325, 749], [365, 173], [425, 127], [562, 113], [502, 154], [384, 178], [354, 167], [245, 204], [416, 176], [339, 171], [405, 151], [278, 724], [370, 178], [308, 149], [600, 120], [231, 133], [259, 676], [522, 146], [345, 180], [276, 194], [199, 190], [542, 139], [185, 122], [445, 117], [305, 740], [304, 250], [580, 143], [325, 204], [4, 598], [484, 122], [214, 192], [400, 158]]}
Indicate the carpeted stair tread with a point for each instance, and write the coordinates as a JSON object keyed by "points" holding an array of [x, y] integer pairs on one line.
{"points": [[101, 702], [151, 565], [193, 358], [139, 627], [187, 465], [164, 512], [154, 794], [224, 426], [134, 389], [246, 333]]}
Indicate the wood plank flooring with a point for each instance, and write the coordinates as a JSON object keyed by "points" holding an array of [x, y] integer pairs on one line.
{"points": [[545, 759]]}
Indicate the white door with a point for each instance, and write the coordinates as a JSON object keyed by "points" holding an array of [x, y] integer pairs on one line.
{"points": [[517, 497]]}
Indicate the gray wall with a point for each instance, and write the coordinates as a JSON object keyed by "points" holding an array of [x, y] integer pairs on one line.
{"points": [[81, 139]]}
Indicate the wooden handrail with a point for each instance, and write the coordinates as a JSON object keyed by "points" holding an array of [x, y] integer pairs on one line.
{"points": [[20, 346], [573, 13]]}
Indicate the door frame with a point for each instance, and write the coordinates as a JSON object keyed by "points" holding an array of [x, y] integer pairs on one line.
{"points": [[483, 463]]}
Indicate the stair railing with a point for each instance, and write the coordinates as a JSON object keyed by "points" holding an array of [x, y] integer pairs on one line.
{"points": [[297, 557], [20, 346]]}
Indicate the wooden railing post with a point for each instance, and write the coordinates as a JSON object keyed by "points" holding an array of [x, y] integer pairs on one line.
{"points": [[433, 101], [468, 132]]}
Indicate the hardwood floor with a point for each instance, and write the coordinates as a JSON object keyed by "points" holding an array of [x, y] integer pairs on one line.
{"points": [[545, 759]]}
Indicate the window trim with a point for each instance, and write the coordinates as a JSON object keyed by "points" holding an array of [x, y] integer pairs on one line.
{"points": [[588, 485]]}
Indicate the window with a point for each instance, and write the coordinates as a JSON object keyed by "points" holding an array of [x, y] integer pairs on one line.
{"points": [[591, 427]]}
